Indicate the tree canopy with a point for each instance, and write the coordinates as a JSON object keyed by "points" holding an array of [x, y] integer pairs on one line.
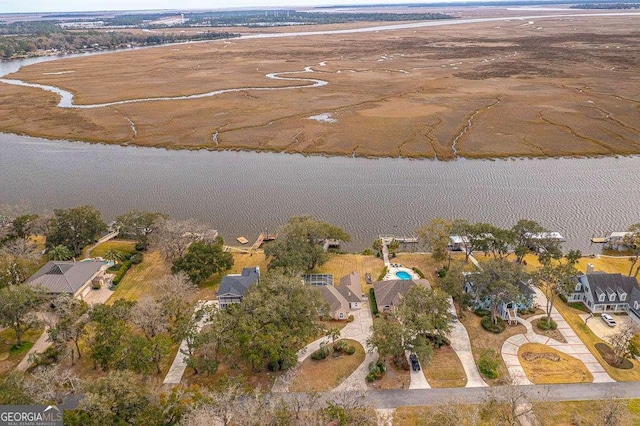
{"points": [[202, 260], [299, 246], [75, 228], [498, 282]]}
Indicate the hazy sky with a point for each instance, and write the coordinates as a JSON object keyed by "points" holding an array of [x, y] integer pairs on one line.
{"points": [[10, 6]]}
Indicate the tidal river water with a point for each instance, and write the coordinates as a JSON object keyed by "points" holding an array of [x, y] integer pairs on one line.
{"points": [[244, 193]]}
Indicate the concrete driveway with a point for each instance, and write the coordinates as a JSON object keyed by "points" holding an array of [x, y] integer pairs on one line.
{"points": [[601, 329]]}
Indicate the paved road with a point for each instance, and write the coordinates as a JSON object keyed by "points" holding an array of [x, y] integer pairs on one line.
{"points": [[388, 399]]}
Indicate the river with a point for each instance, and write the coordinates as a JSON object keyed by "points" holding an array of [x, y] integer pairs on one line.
{"points": [[243, 193]]}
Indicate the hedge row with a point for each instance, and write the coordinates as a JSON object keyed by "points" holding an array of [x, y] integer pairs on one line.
{"points": [[374, 304], [123, 270], [418, 271]]}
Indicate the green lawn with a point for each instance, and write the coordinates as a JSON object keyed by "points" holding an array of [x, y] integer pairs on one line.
{"points": [[140, 280], [126, 247], [11, 356]]}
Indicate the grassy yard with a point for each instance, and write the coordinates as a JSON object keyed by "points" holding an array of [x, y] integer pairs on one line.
{"points": [[140, 279], [482, 339], [343, 264], [569, 413], [10, 356], [126, 247], [445, 369], [587, 336], [326, 374], [547, 371]]}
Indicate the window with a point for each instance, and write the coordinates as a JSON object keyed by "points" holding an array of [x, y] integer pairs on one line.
{"points": [[578, 287], [636, 305], [623, 297], [601, 298], [341, 315]]}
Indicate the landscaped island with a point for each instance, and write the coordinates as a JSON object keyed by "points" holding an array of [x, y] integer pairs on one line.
{"points": [[534, 87]]}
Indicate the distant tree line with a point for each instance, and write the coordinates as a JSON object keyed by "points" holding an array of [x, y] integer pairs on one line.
{"points": [[261, 17], [29, 40], [606, 6]]}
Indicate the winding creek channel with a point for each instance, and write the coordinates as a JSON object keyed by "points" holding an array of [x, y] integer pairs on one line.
{"points": [[244, 193]]}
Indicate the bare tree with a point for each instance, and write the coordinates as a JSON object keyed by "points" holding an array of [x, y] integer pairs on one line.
{"points": [[452, 413], [150, 316], [510, 404], [621, 340], [611, 412], [216, 408], [52, 384], [173, 237], [22, 248], [176, 294]]}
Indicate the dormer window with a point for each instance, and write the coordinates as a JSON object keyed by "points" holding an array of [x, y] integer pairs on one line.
{"points": [[612, 297], [578, 287], [623, 297], [601, 298], [636, 305]]}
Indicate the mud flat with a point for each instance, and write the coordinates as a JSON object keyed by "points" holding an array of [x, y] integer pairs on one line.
{"points": [[534, 87]]}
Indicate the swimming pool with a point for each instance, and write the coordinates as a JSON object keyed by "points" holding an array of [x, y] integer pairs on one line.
{"points": [[403, 275]]}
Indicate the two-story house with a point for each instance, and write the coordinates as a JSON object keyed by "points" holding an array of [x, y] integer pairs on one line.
{"points": [[601, 292]]}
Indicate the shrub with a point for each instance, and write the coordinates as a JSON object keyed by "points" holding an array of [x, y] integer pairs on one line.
{"points": [[418, 271], [340, 346], [123, 270], [371, 377], [383, 273], [351, 350], [374, 304], [95, 285], [136, 258], [368, 252], [350, 319], [442, 272], [140, 246], [376, 370], [318, 355], [547, 324], [488, 325], [481, 312], [488, 363]]}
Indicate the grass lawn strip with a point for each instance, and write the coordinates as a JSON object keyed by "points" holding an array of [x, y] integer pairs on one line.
{"points": [[326, 374], [445, 369], [343, 264], [140, 279], [125, 247]]}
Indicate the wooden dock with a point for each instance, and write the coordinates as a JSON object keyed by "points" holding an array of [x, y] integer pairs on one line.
{"points": [[599, 240], [407, 240], [262, 238]]}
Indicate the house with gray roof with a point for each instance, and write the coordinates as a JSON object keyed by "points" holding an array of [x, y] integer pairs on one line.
{"points": [[389, 294], [234, 286], [612, 293], [75, 278]]}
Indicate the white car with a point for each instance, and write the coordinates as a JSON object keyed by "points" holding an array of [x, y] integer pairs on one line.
{"points": [[608, 319]]}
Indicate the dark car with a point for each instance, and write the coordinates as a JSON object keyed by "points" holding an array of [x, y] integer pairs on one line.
{"points": [[415, 365]]}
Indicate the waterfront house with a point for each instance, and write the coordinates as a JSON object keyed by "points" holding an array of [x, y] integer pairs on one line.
{"points": [[508, 304], [234, 286], [341, 299], [74, 278], [389, 294], [602, 292]]}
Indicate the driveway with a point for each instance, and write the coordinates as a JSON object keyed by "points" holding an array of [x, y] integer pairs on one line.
{"points": [[418, 381], [461, 344], [601, 329]]}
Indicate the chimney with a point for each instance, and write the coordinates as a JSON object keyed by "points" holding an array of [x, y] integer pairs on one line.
{"points": [[590, 269]]}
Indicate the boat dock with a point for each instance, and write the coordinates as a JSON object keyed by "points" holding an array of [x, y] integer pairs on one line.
{"points": [[406, 240], [262, 238]]}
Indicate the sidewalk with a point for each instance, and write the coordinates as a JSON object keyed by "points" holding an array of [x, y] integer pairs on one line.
{"points": [[179, 365]]}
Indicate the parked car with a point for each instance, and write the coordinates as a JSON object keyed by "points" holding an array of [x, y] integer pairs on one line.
{"points": [[608, 319], [415, 365]]}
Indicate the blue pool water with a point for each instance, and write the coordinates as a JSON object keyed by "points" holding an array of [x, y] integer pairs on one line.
{"points": [[403, 275]]}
